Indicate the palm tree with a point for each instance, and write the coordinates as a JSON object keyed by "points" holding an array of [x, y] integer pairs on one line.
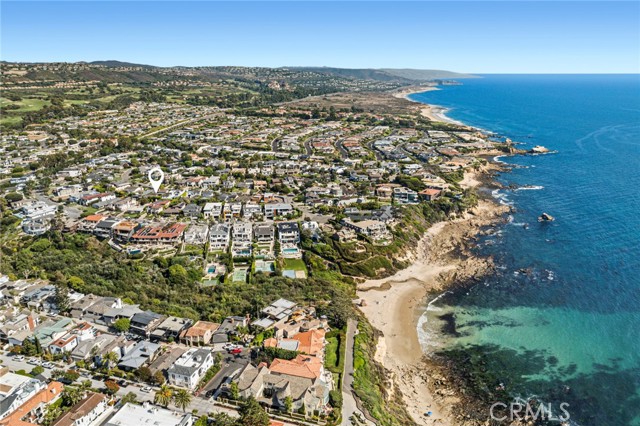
{"points": [[182, 399], [71, 396], [163, 396], [110, 357]]}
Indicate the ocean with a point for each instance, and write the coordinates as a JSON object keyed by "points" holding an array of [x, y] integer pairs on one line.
{"points": [[560, 320]]}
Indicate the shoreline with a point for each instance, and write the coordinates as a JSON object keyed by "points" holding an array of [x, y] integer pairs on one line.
{"points": [[429, 111], [395, 304]]}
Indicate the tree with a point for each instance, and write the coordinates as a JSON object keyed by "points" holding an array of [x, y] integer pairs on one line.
{"points": [[108, 358], [339, 310], [235, 392], [13, 197], [252, 414], [163, 396], [71, 396], [122, 325], [129, 398], [177, 275], [76, 283], [222, 419], [182, 399], [302, 409], [144, 374], [288, 404], [158, 378], [71, 375], [112, 387], [28, 348], [202, 421], [38, 369], [51, 414], [62, 298]]}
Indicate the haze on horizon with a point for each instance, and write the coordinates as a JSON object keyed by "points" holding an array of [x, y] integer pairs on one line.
{"points": [[470, 37]]}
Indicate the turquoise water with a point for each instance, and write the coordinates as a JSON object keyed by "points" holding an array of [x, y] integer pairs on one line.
{"points": [[562, 314]]}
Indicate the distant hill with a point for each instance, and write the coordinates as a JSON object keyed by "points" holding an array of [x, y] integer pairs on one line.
{"points": [[386, 74], [119, 64], [423, 75]]}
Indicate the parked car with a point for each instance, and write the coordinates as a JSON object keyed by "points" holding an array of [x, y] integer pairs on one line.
{"points": [[146, 389], [19, 358], [236, 351]]}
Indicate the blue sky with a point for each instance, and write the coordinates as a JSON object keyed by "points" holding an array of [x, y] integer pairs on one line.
{"points": [[477, 36]]}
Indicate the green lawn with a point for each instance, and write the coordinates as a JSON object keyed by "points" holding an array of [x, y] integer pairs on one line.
{"points": [[26, 104], [295, 264], [10, 119]]}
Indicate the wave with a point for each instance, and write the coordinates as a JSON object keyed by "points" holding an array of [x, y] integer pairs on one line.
{"points": [[425, 337], [530, 188], [501, 197], [497, 159]]}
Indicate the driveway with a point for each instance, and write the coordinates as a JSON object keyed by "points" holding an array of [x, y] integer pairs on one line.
{"points": [[231, 365]]}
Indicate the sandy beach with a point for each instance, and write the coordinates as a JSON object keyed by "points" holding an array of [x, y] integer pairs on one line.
{"points": [[431, 112], [393, 305]]}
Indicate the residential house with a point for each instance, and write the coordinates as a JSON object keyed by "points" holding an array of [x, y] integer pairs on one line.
{"points": [[251, 210], [199, 333], [143, 323], [429, 194], [300, 380], [405, 195], [288, 233], [187, 371], [212, 210], [142, 353], [371, 228], [219, 236], [277, 209], [84, 413], [164, 234], [170, 329], [196, 234], [103, 228], [263, 233], [26, 404], [192, 210], [124, 230]]}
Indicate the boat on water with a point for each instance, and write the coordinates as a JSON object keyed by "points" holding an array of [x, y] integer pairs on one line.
{"points": [[546, 217]]}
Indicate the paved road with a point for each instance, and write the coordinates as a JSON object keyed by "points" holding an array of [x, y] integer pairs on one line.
{"points": [[307, 147], [343, 152], [349, 407]]}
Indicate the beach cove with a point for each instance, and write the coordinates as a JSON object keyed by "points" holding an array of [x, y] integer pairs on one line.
{"points": [[558, 319], [395, 304]]}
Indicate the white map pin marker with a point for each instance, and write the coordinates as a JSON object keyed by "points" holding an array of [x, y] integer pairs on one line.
{"points": [[155, 183]]}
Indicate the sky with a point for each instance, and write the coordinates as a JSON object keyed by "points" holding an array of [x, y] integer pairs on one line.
{"points": [[474, 37]]}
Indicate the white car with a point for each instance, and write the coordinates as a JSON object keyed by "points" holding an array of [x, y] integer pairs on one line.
{"points": [[34, 361], [146, 389], [19, 358]]}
